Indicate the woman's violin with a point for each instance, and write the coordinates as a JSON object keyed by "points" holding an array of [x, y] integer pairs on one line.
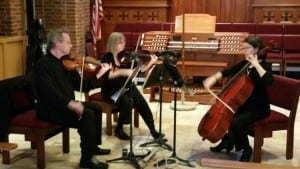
{"points": [[73, 62], [126, 57]]}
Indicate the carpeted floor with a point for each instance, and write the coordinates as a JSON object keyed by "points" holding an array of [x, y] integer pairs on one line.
{"points": [[189, 145]]}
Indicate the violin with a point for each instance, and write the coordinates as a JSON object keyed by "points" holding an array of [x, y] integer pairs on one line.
{"points": [[73, 62], [127, 56]]}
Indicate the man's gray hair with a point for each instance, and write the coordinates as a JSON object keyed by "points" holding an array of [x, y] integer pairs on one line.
{"points": [[55, 35]]}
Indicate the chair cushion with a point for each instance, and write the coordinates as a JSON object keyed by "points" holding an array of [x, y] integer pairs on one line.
{"points": [[274, 55], [97, 97], [274, 117], [292, 55], [29, 119]]}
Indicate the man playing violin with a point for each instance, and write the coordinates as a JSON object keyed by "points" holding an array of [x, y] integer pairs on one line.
{"points": [[115, 78], [256, 105], [56, 102]]}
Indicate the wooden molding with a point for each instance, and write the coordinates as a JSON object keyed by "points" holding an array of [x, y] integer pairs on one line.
{"points": [[136, 4], [276, 3]]}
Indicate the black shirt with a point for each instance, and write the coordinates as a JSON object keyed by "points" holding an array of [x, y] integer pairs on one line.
{"points": [[110, 86], [55, 87], [257, 102]]}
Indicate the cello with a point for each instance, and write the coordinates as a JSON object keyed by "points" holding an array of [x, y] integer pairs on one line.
{"points": [[217, 119]]}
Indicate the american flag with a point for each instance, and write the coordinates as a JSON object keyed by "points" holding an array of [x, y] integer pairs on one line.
{"points": [[97, 16]]}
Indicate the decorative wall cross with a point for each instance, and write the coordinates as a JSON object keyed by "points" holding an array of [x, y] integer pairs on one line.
{"points": [[286, 15], [137, 15], [153, 16], [123, 15], [269, 16], [109, 15]]}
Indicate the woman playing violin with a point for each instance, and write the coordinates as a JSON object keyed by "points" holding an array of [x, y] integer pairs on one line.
{"points": [[114, 80], [255, 107]]}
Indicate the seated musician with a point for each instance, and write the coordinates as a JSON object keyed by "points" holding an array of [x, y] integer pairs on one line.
{"points": [[55, 86], [255, 107], [114, 79]]}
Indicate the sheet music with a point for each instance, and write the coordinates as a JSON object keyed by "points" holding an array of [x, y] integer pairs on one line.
{"points": [[79, 96], [124, 88]]}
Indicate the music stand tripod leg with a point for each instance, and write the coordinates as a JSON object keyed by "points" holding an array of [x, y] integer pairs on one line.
{"points": [[130, 155], [171, 160], [159, 141]]}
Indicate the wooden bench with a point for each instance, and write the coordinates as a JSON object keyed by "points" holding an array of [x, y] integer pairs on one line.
{"points": [[4, 146], [200, 68], [224, 164], [188, 69]]}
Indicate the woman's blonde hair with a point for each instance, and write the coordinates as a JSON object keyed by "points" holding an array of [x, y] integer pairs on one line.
{"points": [[113, 39]]}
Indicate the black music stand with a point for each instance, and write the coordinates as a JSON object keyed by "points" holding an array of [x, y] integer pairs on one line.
{"points": [[157, 75], [178, 82], [130, 156]]}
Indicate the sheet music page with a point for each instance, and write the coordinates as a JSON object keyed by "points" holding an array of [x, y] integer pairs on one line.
{"points": [[79, 96], [124, 88]]}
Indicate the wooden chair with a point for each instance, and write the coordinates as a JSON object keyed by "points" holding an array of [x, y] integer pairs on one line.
{"points": [[24, 119], [111, 110], [284, 93], [276, 54], [291, 51]]}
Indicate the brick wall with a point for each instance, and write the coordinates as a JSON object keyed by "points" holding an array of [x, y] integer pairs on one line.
{"points": [[11, 18], [73, 14]]}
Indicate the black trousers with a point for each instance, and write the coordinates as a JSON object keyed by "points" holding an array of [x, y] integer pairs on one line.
{"points": [[134, 99], [238, 130], [89, 128]]}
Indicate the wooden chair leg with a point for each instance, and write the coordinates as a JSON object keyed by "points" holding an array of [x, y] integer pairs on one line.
{"points": [[40, 150], [258, 142], [66, 140], [290, 144], [5, 153], [108, 123]]}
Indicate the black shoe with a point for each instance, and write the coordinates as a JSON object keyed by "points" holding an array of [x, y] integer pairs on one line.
{"points": [[221, 147], [101, 151], [93, 164], [246, 156], [224, 145], [156, 135], [121, 134]]}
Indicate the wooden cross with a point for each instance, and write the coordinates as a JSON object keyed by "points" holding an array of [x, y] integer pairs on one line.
{"points": [[286, 16], [109, 15], [269, 16], [137, 15], [153, 16], [123, 15]]}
